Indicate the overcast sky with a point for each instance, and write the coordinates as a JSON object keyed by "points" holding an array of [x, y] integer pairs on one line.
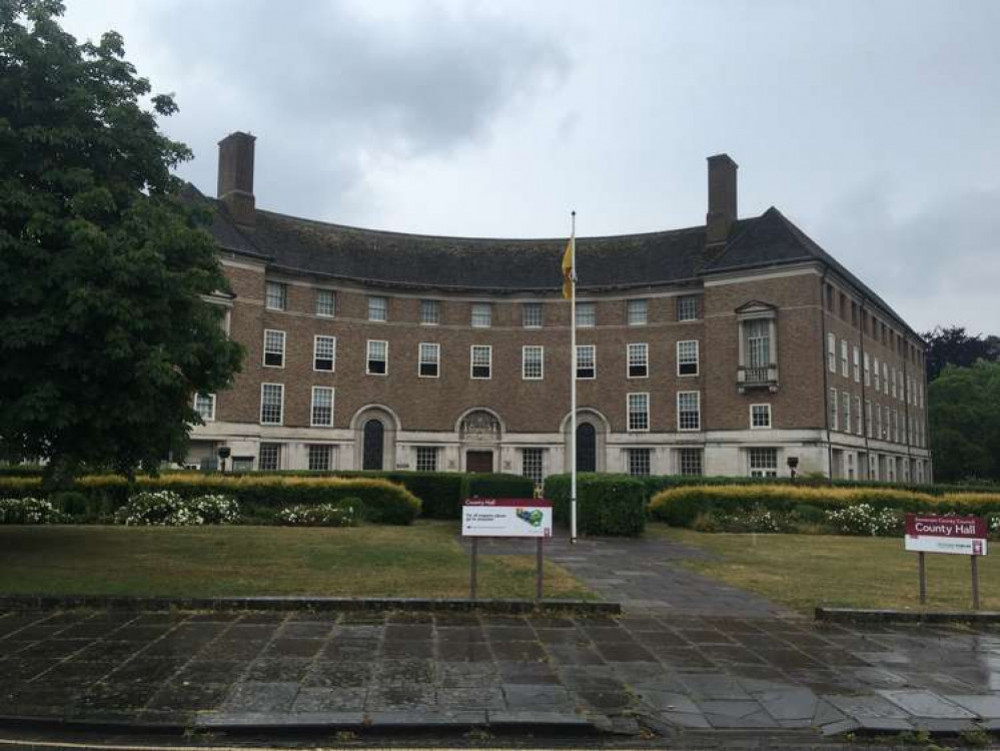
{"points": [[872, 125]]}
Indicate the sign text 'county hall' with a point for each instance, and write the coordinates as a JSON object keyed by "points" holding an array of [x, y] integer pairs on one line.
{"points": [[959, 535]]}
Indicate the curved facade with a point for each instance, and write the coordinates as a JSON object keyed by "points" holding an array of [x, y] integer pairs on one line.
{"points": [[701, 350]]}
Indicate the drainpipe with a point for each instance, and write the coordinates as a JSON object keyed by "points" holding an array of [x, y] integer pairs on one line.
{"points": [[826, 376], [864, 391]]}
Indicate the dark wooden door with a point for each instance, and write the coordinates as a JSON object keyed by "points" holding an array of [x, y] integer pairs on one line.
{"points": [[478, 461], [373, 441], [586, 448]]}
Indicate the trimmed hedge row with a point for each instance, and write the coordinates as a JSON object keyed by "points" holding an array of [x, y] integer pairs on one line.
{"points": [[606, 504], [261, 496]]}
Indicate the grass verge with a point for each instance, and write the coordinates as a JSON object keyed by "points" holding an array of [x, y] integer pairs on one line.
{"points": [[803, 571], [423, 560]]}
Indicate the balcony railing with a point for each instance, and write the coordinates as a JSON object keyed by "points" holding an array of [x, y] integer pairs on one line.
{"points": [[757, 377]]}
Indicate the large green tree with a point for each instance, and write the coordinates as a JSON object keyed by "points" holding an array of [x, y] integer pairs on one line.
{"points": [[105, 332], [965, 422], [950, 345]]}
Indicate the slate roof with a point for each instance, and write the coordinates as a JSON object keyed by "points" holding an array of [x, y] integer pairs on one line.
{"points": [[504, 266]]}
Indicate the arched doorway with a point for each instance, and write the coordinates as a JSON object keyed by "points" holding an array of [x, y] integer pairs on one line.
{"points": [[480, 431], [374, 435], [586, 448]]}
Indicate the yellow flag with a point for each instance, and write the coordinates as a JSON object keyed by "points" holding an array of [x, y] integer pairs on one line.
{"points": [[567, 269]]}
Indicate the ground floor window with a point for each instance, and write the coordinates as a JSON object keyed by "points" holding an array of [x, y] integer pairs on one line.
{"points": [[427, 458], [319, 456], [531, 464], [690, 461], [269, 458], [638, 462], [763, 462]]}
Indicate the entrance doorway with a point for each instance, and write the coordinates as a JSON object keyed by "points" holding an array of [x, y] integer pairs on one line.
{"points": [[478, 461], [373, 443], [586, 448]]}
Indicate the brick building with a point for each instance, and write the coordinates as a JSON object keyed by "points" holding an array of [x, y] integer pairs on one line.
{"points": [[722, 349]]}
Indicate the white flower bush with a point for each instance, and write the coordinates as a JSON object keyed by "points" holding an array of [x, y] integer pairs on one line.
{"points": [[347, 513], [28, 511], [864, 519], [164, 508]]}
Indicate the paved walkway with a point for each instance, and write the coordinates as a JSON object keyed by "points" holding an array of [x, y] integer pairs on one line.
{"points": [[708, 672]]}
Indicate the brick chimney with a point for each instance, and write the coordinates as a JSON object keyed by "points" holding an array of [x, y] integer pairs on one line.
{"points": [[721, 198], [236, 176]]}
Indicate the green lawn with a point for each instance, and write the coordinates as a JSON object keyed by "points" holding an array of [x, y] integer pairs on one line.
{"points": [[422, 560], [804, 571]]}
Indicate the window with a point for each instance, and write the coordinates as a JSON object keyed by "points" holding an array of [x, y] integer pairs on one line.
{"points": [[687, 357], [326, 303], [857, 364], [845, 411], [430, 312], [324, 353], [885, 379], [636, 312], [895, 425], [690, 462], [831, 352], [532, 363], [272, 400], [687, 308], [878, 383], [378, 309], [857, 415], [894, 379], [586, 361], [430, 360], [276, 296], [760, 416], [378, 357], [427, 458], [319, 457], [833, 409], [763, 462], [688, 410], [531, 315], [878, 421], [270, 457], [638, 462], [843, 357], [481, 361], [638, 360], [482, 315], [586, 314], [531, 464], [204, 405], [638, 412], [868, 417], [868, 372], [322, 407], [274, 348]]}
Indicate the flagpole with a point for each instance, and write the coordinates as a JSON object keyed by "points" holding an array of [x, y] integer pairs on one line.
{"points": [[572, 382]]}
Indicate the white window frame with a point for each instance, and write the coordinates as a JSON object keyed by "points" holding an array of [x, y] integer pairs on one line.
{"points": [[642, 347], [537, 306], [312, 406], [845, 411], [831, 352], [637, 309], [762, 471], [369, 358], [433, 451], [211, 397], [333, 353], [581, 310], [333, 303], [284, 340], [857, 364], [481, 315], [378, 305], [697, 359], [767, 408], [885, 378], [524, 362], [427, 305], [681, 300], [697, 404], [472, 361], [868, 370], [537, 453], [281, 404], [868, 418], [875, 375], [283, 287], [576, 370], [628, 411], [843, 359], [858, 427], [834, 413], [421, 361]]}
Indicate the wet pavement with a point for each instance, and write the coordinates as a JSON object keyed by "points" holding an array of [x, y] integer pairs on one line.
{"points": [[666, 671]]}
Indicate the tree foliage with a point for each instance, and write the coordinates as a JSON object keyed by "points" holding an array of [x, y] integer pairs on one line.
{"points": [[105, 333], [964, 408], [950, 345]]}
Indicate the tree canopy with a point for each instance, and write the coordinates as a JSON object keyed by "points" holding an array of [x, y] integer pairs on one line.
{"points": [[105, 272], [950, 345], [965, 422]]}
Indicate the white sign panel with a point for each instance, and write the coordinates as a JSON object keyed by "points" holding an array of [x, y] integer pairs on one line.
{"points": [[507, 517], [957, 546]]}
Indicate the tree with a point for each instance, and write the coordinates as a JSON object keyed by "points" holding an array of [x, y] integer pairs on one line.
{"points": [[964, 411], [952, 346], [105, 331]]}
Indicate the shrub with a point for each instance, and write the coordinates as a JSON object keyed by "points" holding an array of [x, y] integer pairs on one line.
{"points": [[606, 504], [806, 512], [756, 519], [164, 508], [863, 519], [345, 513], [71, 502], [28, 510]]}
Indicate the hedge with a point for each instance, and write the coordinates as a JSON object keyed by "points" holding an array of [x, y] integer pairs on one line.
{"points": [[680, 506], [260, 496], [605, 504]]}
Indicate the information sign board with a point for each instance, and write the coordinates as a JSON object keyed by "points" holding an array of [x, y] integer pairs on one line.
{"points": [[507, 517], [958, 535]]}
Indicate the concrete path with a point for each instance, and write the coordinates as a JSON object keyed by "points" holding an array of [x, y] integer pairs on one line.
{"points": [[694, 672]]}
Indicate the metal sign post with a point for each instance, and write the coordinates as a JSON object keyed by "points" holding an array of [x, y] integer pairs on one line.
{"points": [[472, 570]]}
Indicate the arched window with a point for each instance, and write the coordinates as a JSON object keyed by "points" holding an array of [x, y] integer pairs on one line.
{"points": [[373, 444], [586, 448]]}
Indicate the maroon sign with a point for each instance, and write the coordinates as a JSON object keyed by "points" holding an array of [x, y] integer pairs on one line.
{"points": [[930, 525], [508, 502]]}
